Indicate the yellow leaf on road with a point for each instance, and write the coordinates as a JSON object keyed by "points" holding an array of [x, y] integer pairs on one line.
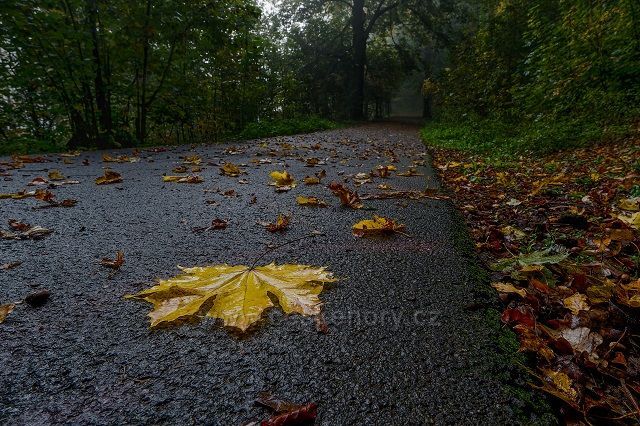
{"points": [[55, 175], [377, 225], [109, 177], [183, 179], [192, 159], [310, 201], [282, 178], [237, 295], [230, 169]]}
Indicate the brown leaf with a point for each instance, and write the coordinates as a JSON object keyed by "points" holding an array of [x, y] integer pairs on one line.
{"points": [[347, 197], [109, 177], [306, 413], [5, 310], [10, 265], [115, 263], [281, 224]]}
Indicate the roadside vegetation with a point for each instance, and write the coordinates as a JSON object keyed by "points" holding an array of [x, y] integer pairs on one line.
{"points": [[536, 137]]}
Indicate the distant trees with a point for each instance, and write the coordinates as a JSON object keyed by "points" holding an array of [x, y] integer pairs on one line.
{"points": [[121, 73], [106, 73], [547, 60]]}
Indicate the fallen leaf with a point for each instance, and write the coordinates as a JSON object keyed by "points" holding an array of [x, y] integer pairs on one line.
{"points": [[230, 169], [304, 415], [238, 295], [10, 265], [24, 231], [113, 263], [18, 195], [216, 224], [192, 159], [311, 180], [633, 220], [576, 303], [183, 179], [630, 204], [280, 225], [109, 177], [541, 258], [38, 181], [562, 382], [347, 197], [509, 288], [119, 159], [282, 179], [266, 399], [310, 201], [581, 339], [5, 310], [56, 175], [409, 173], [379, 225]]}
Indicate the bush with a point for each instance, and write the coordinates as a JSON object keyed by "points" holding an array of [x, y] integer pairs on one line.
{"points": [[292, 126], [499, 138]]}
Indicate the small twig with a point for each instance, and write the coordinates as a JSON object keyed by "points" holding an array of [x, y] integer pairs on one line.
{"points": [[271, 249]]}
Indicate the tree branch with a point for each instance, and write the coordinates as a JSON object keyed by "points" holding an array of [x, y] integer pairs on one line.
{"points": [[379, 12]]}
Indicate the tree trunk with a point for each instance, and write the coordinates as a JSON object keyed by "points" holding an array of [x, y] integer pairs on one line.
{"points": [[141, 119], [359, 59], [102, 101]]}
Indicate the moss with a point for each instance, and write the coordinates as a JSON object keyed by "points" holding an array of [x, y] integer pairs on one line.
{"points": [[507, 365]]}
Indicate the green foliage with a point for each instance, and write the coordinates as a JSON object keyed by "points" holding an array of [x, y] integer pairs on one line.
{"points": [[500, 139], [291, 126], [120, 73], [543, 75]]}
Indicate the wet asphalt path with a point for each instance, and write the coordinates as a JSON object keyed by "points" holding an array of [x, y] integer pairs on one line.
{"points": [[401, 347]]}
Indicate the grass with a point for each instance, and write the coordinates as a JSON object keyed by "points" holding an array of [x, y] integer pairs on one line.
{"points": [[257, 130], [293, 126], [501, 141], [28, 146]]}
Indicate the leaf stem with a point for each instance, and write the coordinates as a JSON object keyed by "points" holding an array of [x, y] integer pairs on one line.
{"points": [[271, 249]]}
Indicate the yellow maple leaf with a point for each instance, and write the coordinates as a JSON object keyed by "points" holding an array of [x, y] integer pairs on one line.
{"points": [[282, 178], [562, 382], [377, 225], [230, 169], [238, 295], [576, 303]]}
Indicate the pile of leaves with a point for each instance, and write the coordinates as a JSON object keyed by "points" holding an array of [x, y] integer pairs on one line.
{"points": [[561, 236]]}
